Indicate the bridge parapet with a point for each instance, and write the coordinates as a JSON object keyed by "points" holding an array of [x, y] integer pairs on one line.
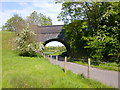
{"points": [[45, 33]]}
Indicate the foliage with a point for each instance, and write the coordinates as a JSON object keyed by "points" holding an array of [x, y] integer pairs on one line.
{"points": [[76, 39], [39, 19], [70, 11], [26, 45], [105, 66], [105, 44], [15, 23], [102, 28]]}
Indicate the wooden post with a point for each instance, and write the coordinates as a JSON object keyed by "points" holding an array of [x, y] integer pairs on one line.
{"points": [[56, 57], [88, 67], [65, 66], [50, 58]]}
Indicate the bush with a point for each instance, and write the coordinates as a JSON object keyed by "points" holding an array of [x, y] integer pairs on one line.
{"points": [[26, 45]]}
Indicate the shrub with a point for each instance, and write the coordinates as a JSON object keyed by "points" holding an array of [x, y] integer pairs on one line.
{"points": [[26, 45]]}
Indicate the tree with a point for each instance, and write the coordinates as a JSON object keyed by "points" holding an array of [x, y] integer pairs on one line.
{"points": [[107, 34], [71, 11], [103, 28], [75, 32], [15, 23], [39, 19]]}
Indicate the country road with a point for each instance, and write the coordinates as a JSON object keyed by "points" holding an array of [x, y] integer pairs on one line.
{"points": [[110, 78]]}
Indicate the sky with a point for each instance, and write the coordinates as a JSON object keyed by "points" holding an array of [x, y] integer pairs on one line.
{"points": [[54, 43], [24, 7]]}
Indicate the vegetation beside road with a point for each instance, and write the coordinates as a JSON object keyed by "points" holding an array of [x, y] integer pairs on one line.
{"points": [[104, 66]]}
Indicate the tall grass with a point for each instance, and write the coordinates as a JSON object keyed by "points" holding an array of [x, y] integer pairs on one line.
{"points": [[35, 72], [8, 40]]}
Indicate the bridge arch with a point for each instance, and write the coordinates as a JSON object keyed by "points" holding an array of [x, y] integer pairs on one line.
{"points": [[51, 33], [61, 41]]}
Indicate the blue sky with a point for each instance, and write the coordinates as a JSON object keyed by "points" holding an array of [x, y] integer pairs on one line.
{"points": [[24, 7]]}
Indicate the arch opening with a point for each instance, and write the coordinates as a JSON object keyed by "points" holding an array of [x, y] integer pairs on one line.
{"points": [[56, 47]]}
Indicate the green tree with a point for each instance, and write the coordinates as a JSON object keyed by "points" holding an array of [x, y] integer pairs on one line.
{"points": [[39, 19], [15, 23], [103, 28], [76, 33], [107, 34], [71, 11]]}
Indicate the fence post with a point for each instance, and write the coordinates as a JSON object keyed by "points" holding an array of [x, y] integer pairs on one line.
{"points": [[56, 57], [88, 67], [50, 58], [65, 66]]}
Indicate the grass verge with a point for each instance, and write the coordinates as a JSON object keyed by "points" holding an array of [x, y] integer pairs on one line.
{"points": [[27, 72], [104, 66]]}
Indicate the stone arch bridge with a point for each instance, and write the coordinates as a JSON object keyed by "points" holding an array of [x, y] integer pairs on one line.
{"points": [[47, 34]]}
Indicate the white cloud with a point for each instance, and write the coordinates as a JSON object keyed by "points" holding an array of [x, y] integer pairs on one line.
{"points": [[51, 7], [4, 17], [23, 3], [43, 5]]}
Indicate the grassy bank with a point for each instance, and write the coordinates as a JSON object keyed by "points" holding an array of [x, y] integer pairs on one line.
{"points": [[37, 72], [26, 72]]}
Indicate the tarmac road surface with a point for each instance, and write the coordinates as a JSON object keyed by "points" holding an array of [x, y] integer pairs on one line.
{"points": [[107, 77]]}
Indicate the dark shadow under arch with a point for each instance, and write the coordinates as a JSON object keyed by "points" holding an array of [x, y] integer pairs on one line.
{"points": [[63, 42]]}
